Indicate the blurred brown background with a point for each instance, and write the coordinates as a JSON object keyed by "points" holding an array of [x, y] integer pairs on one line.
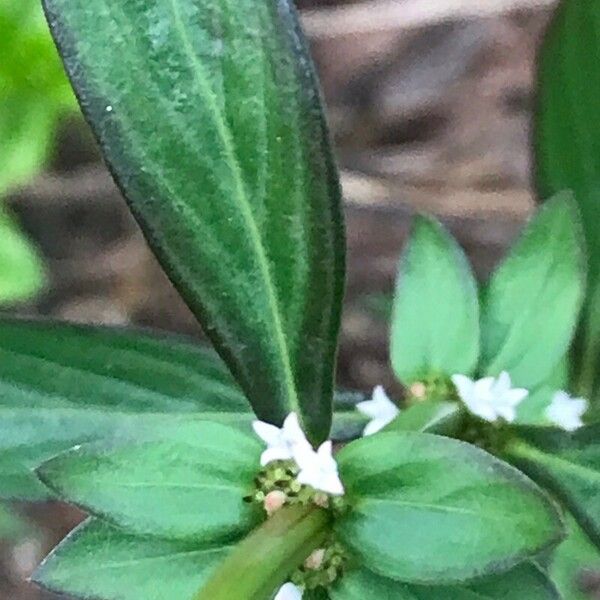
{"points": [[430, 103]]}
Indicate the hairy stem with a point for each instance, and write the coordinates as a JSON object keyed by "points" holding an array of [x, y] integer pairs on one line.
{"points": [[263, 561]]}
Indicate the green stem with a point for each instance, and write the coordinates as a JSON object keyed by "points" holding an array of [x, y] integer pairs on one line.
{"points": [[264, 560]]}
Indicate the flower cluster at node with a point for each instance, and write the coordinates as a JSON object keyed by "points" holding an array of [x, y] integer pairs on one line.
{"points": [[490, 398], [317, 469], [380, 409], [493, 398], [566, 412]]}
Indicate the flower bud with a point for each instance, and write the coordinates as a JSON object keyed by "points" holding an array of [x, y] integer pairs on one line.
{"points": [[315, 560], [274, 501]]}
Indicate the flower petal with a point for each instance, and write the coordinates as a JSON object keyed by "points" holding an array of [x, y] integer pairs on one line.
{"points": [[289, 591], [266, 432], [275, 453]]}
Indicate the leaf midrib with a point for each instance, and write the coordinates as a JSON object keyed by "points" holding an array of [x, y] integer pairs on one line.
{"points": [[242, 202], [436, 507]]}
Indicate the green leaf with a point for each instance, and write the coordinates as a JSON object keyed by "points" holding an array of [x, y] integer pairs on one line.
{"points": [[21, 271], [430, 416], [435, 321], [567, 464], [571, 559], [433, 510], [531, 305], [523, 582], [208, 115], [35, 92], [62, 385], [188, 482], [567, 144], [99, 561]]}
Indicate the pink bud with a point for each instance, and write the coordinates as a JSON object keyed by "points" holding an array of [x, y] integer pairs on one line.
{"points": [[315, 560], [418, 390], [274, 501]]}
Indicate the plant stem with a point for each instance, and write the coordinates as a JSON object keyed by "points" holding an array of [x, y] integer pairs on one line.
{"points": [[264, 560]]}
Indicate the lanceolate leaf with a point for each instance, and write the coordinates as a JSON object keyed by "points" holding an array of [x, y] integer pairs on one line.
{"points": [[571, 560], [523, 582], [569, 465], [188, 482], [225, 162], [98, 561], [532, 302], [435, 321], [433, 510]]}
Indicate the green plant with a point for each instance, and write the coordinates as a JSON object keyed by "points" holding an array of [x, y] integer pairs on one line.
{"points": [[34, 95], [208, 114]]}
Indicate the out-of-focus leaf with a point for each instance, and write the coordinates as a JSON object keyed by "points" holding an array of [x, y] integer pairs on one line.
{"points": [[532, 302], [573, 557], [567, 148], [21, 271], [432, 416], [435, 321], [34, 91], [225, 161]]}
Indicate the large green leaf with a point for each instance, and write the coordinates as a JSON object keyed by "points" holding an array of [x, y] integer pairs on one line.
{"points": [[573, 557], [532, 302], [435, 321], [432, 510], [524, 582], [62, 385], [187, 482], [208, 114], [567, 144], [99, 561], [569, 465]]}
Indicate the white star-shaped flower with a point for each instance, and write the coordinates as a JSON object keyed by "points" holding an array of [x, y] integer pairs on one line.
{"points": [[319, 469], [380, 409], [281, 442], [491, 397], [566, 411], [289, 591]]}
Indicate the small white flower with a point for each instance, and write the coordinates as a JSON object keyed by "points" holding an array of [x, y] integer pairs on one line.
{"points": [[490, 397], [566, 412], [380, 409], [280, 442], [289, 591], [319, 469]]}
